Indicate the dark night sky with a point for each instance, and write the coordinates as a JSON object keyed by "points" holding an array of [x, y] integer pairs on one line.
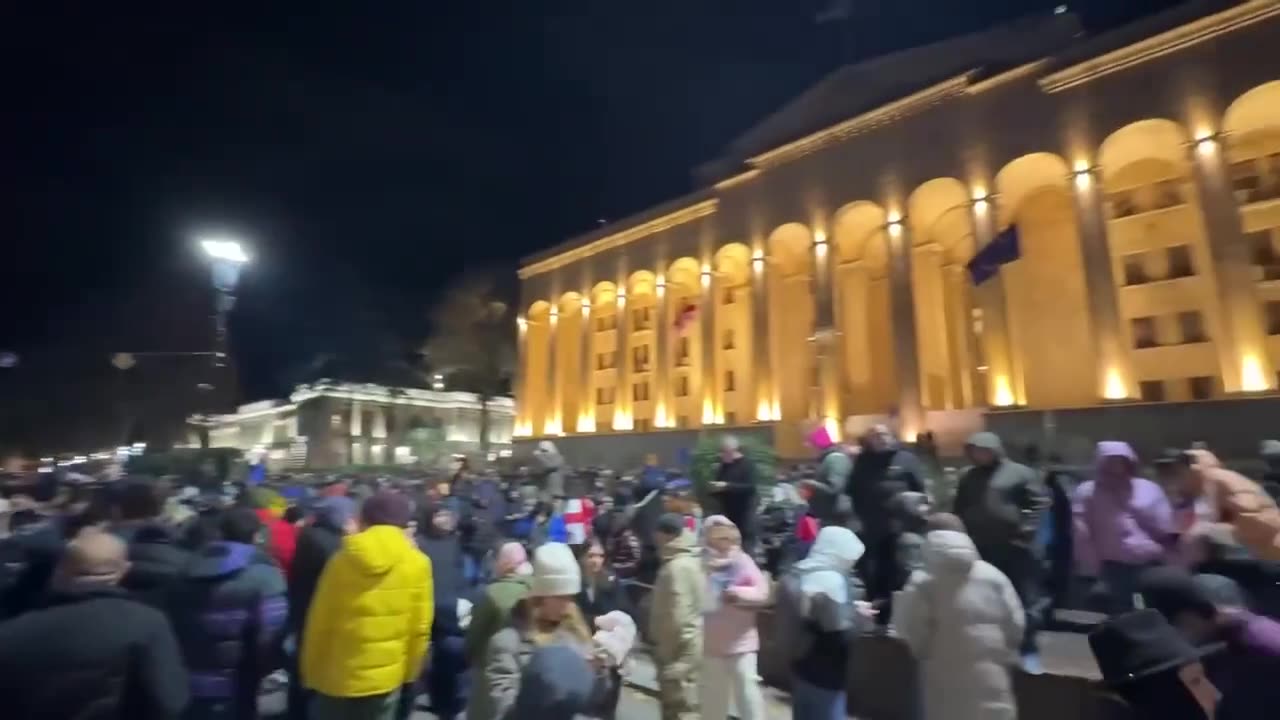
{"points": [[369, 150]]}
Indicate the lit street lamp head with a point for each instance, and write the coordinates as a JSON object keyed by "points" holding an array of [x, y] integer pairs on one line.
{"points": [[224, 249]]}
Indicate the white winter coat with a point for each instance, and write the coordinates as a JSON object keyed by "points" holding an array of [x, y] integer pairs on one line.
{"points": [[963, 622]]}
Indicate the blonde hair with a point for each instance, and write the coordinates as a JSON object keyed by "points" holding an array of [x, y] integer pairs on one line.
{"points": [[573, 623]]}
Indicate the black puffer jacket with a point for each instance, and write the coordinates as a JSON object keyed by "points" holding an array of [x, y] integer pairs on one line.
{"points": [[156, 562], [91, 654]]}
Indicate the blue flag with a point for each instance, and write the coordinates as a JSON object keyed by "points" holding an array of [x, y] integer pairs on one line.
{"points": [[1003, 249]]}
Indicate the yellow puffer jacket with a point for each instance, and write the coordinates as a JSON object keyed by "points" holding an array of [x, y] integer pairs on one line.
{"points": [[370, 621]]}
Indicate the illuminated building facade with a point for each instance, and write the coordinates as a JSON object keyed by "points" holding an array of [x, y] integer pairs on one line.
{"points": [[821, 272], [333, 424]]}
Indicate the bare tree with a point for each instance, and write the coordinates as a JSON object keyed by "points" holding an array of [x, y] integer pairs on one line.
{"points": [[472, 342]]}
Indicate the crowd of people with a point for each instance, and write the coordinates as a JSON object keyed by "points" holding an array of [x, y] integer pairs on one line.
{"points": [[499, 598]]}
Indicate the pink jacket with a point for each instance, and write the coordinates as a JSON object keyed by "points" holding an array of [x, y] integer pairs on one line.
{"points": [[731, 629]]}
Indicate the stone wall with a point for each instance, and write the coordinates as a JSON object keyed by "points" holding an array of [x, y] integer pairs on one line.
{"points": [[623, 451]]}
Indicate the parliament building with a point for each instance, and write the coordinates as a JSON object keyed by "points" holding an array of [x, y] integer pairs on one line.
{"points": [[822, 271]]}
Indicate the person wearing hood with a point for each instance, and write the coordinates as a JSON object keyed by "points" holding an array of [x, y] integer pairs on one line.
{"points": [[1208, 611], [333, 518], [675, 618], [551, 469], [735, 487], [963, 622], [736, 590], [228, 613], [821, 611], [510, 585], [156, 560], [369, 625], [91, 650], [550, 617], [1122, 524], [1232, 505], [1001, 503], [827, 489], [446, 684], [1150, 671]]}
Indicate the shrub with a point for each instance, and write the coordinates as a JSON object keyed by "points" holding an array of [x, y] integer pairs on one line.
{"points": [[706, 460]]}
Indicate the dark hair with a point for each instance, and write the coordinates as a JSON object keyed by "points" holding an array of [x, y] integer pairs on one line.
{"points": [[239, 525], [137, 501], [1173, 457], [294, 514]]}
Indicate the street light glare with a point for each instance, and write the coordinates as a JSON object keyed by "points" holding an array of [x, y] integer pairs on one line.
{"points": [[224, 249]]}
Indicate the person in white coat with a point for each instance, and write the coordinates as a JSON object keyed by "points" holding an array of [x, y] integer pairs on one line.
{"points": [[963, 622]]}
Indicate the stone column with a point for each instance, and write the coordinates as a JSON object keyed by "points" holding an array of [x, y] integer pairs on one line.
{"points": [[710, 386], [959, 334], [663, 359], [1246, 365], [928, 291], [586, 394], [524, 413], [910, 410], [856, 289], [826, 337], [1004, 385], [356, 433], [622, 367], [1115, 372], [552, 423], [760, 341]]}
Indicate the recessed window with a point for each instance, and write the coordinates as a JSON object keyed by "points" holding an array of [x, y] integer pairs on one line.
{"points": [[682, 351], [1191, 325], [1179, 257], [640, 392], [1272, 310], [1144, 332], [1151, 390], [1135, 273], [604, 396], [727, 341], [1201, 388], [682, 386], [728, 381], [731, 418]]}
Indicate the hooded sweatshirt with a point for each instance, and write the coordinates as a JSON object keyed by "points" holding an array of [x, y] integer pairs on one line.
{"points": [[835, 466], [963, 622], [730, 628], [1238, 501], [675, 616], [1124, 520], [817, 609], [370, 621], [999, 503]]}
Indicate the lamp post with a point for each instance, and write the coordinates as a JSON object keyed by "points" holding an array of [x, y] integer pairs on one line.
{"points": [[226, 258]]}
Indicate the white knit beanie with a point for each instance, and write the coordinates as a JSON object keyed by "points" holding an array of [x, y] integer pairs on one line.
{"points": [[555, 572]]}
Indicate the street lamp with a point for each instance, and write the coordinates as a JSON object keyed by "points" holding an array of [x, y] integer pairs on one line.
{"points": [[226, 258]]}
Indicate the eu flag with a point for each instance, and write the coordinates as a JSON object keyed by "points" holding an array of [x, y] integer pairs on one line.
{"points": [[1002, 249]]}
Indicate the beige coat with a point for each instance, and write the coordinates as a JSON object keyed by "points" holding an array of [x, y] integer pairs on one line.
{"points": [[675, 616], [1241, 503]]}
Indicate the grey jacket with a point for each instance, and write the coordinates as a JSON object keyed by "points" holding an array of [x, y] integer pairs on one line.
{"points": [[999, 503]]}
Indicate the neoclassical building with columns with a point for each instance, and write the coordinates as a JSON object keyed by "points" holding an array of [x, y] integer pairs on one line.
{"points": [[820, 272]]}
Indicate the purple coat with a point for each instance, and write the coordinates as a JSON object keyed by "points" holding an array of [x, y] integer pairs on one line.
{"points": [[1127, 521], [1248, 672]]}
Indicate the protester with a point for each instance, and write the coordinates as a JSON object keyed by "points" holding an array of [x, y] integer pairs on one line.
{"points": [[963, 622], [647, 507], [156, 561], [35, 544], [446, 676], [1001, 502], [622, 548], [228, 612], [511, 585], [882, 471], [1123, 524], [91, 651], [736, 590], [1208, 610], [550, 470], [1233, 502], [282, 537], [333, 518], [1058, 549], [675, 618], [1151, 671], [820, 612], [911, 511], [368, 628], [735, 488], [680, 499], [548, 616], [827, 490], [602, 593]]}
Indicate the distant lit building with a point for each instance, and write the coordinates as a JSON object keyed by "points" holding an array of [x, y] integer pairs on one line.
{"points": [[332, 424], [821, 271]]}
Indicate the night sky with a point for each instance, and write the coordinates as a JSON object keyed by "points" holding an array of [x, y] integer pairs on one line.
{"points": [[369, 151]]}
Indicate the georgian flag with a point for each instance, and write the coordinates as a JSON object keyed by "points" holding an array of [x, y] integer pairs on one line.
{"points": [[578, 514]]}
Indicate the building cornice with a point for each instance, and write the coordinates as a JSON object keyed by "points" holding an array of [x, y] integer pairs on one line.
{"points": [[739, 179], [1162, 44], [1008, 76], [681, 216], [869, 120]]}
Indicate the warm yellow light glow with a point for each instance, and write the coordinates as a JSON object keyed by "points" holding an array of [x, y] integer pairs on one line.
{"points": [[708, 412], [660, 288], [621, 299], [522, 322], [1206, 142], [660, 415], [980, 200], [763, 413], [1115, 389], [1083, 175], [586, 308], [586, 424], [706, 277], [551, 427], [819, 237], [1252, 379], [833, 428], [757, 262], [1003, 394], [777, 411], [895, 224]]}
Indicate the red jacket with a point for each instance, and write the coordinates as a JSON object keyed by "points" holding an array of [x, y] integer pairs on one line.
{"points": [[282, 538]]}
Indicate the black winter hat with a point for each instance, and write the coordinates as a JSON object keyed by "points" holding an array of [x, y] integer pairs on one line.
{"points": [[1173, 591], [1138, 645]]}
